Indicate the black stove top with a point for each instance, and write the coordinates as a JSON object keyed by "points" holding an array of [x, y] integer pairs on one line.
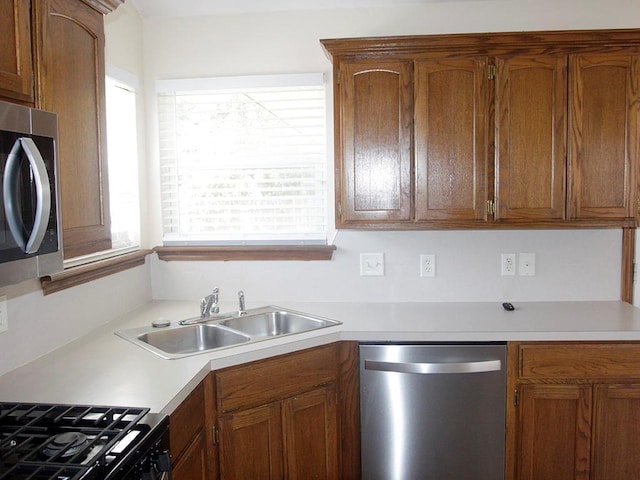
{"points": [[72, 442]]}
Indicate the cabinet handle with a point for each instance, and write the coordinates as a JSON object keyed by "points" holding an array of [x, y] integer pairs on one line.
{"points": [[434, 368]]}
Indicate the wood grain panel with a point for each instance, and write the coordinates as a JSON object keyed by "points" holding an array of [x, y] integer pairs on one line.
{"points": [[616, 432], [604, 111], [349, 411], [264, 381], [375, 120], [579, 360], [186, 421], [193, 463], [450, 139], [70, 58], [310, 427], [554, 432], [531, 137], [251, 444], [16, 65]]}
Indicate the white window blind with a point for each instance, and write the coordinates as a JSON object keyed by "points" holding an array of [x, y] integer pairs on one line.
{"points": [[243, 160]]}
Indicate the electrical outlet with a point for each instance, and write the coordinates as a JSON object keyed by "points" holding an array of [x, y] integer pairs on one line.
{"points": [[508, 264], [527, 264], [4, 318], [372, 264], [427, 265]]}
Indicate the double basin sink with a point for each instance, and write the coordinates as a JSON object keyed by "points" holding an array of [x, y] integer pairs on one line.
{"points": [[201, 335]]}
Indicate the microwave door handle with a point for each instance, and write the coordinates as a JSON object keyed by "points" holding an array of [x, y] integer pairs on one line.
{"points": [[43, 194], [9, 195]]}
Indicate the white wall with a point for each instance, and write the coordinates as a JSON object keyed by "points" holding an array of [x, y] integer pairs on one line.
{"points": [[571, 265], [39, 324]]}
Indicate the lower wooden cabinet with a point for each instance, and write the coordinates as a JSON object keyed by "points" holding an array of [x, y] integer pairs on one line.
{"points": [[293, 417], [295, 438], [187, 437], [193, 462], [289, 417], [575, 412]]}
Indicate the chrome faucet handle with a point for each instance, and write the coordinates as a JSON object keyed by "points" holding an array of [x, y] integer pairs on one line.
{"points": [[209, 304], [241, 306]]}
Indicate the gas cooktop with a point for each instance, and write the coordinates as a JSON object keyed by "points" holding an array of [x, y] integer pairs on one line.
{"points": [[73, 442]]}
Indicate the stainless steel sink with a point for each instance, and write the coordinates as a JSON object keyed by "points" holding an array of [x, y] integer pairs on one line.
{"points": [[274, 324], [176, 342], [222, 331]]}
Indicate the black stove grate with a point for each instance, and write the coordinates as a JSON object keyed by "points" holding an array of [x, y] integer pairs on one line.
{"points": [[27, 432]]}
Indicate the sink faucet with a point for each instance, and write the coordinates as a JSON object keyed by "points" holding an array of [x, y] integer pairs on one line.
{"points": [[209, 304], [241, 308]]}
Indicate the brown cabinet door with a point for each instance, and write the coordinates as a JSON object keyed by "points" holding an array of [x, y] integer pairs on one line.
{"points": [[604, 108], [554, 432], [530, 105], [450, 139], [193, 463], [251, 444], [616, 432], [70, 59], [16, 65], [311, 435], [373, 175]]}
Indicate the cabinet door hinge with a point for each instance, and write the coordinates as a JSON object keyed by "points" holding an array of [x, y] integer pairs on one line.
{"points": [[216, 435], [516, 397], [491, 207], [492, 72], [338, 76], [638, 206], [340, 210]]}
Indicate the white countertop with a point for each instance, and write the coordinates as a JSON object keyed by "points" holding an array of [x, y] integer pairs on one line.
{"points": [[104, 369]]}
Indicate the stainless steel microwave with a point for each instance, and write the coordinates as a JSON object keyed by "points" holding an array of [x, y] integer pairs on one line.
{"points": [[30, 239]]}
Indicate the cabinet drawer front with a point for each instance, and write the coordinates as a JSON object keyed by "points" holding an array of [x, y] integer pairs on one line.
{"points": [[261, 382], [579, 361], [186, 421]]}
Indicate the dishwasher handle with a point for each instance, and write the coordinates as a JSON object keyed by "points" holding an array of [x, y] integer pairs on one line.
{"points": [[434, 368]]}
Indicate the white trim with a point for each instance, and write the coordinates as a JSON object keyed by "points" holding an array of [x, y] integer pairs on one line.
{"points": [[123, 76], [248, 81]]}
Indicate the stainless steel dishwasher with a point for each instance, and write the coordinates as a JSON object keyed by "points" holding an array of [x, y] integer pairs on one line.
{"points": [[433, 412]]}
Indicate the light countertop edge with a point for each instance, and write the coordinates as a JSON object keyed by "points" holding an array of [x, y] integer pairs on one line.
{"points": [[103, 369]]}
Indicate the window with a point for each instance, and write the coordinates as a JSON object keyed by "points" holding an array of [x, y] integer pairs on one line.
{"points": [[122, 145], [243, 160]]}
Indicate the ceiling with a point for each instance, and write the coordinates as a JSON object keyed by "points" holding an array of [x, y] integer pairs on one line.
{"points": [[185, 8]]}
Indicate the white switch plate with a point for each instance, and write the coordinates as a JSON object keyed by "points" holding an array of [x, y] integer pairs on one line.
{"points": [[427, 265], [4, 317], [527, 264], [508, 264], [372, 264]]}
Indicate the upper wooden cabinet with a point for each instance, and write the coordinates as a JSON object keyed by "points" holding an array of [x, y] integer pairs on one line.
{"points": [[16, 66], [64, 74], [70, 82], [376, 100], [494, 130], [605, 140], [450, 139]]}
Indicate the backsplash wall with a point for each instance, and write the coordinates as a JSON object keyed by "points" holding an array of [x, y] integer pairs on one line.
{"points": [[571, 265]]}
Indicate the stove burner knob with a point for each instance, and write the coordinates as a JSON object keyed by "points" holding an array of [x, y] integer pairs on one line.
{"points": [[164, 461]]}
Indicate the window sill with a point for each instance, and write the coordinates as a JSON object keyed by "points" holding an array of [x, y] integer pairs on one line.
{"points": [[244, 252], [80, 274]]}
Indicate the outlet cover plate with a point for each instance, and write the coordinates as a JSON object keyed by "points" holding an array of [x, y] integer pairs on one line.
{"points": [[372, 264], [527, 264], [508, 264], [427, 265]]}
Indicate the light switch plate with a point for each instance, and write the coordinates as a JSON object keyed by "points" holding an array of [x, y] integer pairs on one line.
{"points": [[372, 264]]}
